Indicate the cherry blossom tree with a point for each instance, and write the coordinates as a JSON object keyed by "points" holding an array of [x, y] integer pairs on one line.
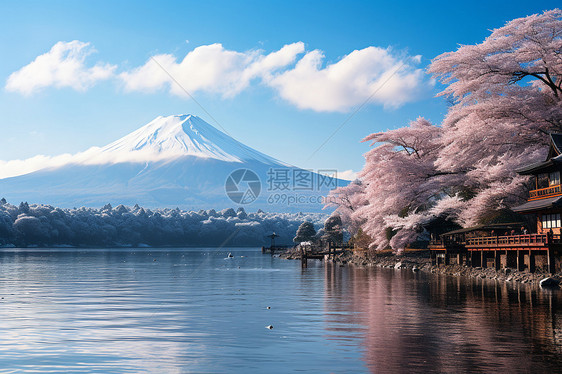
{"points": [[347, 200], [506, 98], [401, 183]]}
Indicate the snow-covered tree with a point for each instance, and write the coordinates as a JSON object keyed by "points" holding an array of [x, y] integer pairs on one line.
{"points": [[305, 232], [38, 224], [333, 229]]}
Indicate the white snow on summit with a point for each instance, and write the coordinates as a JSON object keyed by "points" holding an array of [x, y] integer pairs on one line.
{"points": [[164, 138], [185, 135]]}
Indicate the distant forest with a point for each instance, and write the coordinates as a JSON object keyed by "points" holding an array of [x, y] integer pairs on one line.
{"points": [[44, 225]]}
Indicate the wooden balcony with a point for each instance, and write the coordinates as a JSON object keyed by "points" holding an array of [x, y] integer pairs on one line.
{"points": [[541, 193], [536, 241]]}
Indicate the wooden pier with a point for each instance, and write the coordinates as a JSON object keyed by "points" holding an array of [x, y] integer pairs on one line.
{"points": [[309, 253], [320, 254], [277, 248]]}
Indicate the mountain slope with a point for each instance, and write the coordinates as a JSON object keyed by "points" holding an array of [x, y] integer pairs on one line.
{"points": [[185, 135], [172, 161]]}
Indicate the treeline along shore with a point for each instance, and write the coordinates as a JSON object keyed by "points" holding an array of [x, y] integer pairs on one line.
{"points": [[38, 225]]}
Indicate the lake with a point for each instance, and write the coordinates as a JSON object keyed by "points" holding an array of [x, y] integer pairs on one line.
{"points": [[195, 310]]}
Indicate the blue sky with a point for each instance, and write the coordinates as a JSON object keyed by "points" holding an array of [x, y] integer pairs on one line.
{"points": [[336, 54]]}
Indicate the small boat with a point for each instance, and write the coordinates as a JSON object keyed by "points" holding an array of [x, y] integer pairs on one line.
{"points": [[230, 255]]}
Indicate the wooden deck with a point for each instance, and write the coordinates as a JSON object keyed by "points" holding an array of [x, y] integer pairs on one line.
{"points": [[512, 242]]}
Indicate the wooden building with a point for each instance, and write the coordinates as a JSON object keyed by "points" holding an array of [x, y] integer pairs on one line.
{"points": [[510, 246], [451, 247]]}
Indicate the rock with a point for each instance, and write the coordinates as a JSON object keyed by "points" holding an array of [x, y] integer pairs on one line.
{"points": [[415, 269], [549, 283], [268, 307], [269, 327], [398, 265]]}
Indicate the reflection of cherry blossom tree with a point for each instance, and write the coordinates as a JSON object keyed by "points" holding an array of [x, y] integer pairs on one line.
{"points": [[506, 97]]}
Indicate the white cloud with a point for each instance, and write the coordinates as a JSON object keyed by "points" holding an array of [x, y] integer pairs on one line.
{"points": [[91, 156], [349, 175], [372, 73], [63, 66], [14, 168], [350, 81], [209, 68]]}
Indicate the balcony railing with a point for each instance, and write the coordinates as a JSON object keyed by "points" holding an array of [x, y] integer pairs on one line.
{"points": [[545, 192], [513, 240]]}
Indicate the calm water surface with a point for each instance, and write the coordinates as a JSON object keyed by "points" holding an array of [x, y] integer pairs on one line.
{"points": [[193, 310]]}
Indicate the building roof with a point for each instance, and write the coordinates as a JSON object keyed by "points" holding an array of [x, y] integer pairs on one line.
{"points": [[556, 144], [554, 158], [538, 166], [532, 206], [490, 227]]}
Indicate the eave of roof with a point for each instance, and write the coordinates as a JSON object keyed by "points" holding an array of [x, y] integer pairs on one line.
{"points": [[554, 157], [537, 166], [493, 226], [556, 140], [536, 205]]}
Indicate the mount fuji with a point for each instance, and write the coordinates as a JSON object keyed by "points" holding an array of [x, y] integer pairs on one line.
{"points": [[175, 161]]}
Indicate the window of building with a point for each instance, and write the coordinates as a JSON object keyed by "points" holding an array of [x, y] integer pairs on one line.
{"points": [[542, 181], [550, 221], [554, 178]]}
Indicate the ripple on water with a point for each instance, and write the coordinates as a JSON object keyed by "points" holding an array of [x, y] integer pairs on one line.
{"points": [[192, 311]]}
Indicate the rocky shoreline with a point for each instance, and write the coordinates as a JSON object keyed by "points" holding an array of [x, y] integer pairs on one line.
{"points": [[419, 261]]}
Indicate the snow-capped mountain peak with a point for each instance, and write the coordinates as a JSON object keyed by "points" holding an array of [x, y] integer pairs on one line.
{"points": [[185, 135], [175, 161]]}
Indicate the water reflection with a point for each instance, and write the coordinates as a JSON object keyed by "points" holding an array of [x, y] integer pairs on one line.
{"points": [[192, 310], [420, 322]]}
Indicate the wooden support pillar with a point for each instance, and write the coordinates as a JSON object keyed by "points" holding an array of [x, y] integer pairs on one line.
{"points": [[446, 258], [550, 259], [518, 261], [531, 261], [483, 263], [497, 261], [304, 259], [459, 262]]}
